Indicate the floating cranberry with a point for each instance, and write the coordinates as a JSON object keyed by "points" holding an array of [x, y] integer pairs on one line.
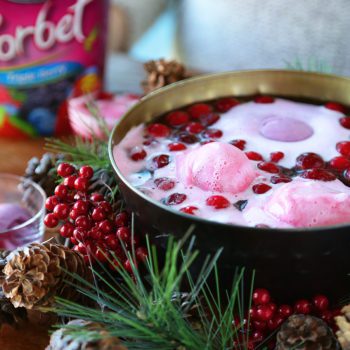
{"points": [[320, 302], [175, 199], [86, 172], [61, 211], [280, 179], [209, 119], [276, 156], [158, 130], [176, 146], [81, 184], [51, 202], [65, 169], [264, 99], [309, 161], [51, 220], [61, 191], [189, 210], [302, 306], [264, 313], [345, 122], [339, 163], [239, 144], [334, 106], [261, 188], [261, 296], [225, 104], [194, 128], [318, 174], [161, 161], [187, 138], [212, 133], [218, 202], [164, 183], [285, 310], [343, 148], [138, 153], [177, 118], [254, 156], [269, 167], [199, 109]]}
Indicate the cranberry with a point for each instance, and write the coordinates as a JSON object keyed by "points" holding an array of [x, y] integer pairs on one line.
{"points": [[275, 322], [209, 119], [318, 174], [276, 156], [280, 179], [105, 206], [124, 234], [264, 99], [194, 128], [105, 226], [334, 106], [112, 241], [65, 169], [61, 211], [98, 214], [345, 122], [83, 222], [264, 313], [302, 307], [81, 248], [254, 156], [128, 266], [261, 188], [69, 181], [61, 191], [320, 302], [218, 202], [212, 133], [138, 153], [285, 310], [187, 138], [339, 163], [81, 184], [164, 183], [189, 210], [121, 219], [81, 207], [327, 316], [74, 214], [257, 336], [175, 198], [51, 220], [141, 254], [259, 325], [176, 146], [79, 234], [96, 234], [96, 197], [269, 167], [239, 144], [199, 109], [261, 296], [158, 130], [66, 230], [160, 161], [101, 255], [51, 202], [86, 172], [225, 104], [343, 148], [177, 118], [309, 161]]}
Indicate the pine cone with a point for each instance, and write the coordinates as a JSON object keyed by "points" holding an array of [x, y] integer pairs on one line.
{"points": [[36, 274], [304, 332], [343, 323], [161, 73], [61, 341]]}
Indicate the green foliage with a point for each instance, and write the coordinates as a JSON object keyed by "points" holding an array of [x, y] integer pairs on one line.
{"points": [[311, 65]]}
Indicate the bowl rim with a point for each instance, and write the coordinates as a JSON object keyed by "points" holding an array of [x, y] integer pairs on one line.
{"points": [[38, 214], [196, 219]]}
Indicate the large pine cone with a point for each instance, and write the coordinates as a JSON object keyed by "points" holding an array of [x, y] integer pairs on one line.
{"points": [[343, 323], [304, 332], [36, 274], [62, 341]]}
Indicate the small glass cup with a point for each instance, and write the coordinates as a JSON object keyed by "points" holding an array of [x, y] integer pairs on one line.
{"points": [[22, 210]]}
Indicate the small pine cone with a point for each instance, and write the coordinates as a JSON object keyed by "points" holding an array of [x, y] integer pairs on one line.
{"points": [[60, 340], [343, 323], [304, 332], [36, 274], [161, 73]]}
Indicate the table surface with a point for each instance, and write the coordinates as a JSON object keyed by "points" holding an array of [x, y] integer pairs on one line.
{"points": [[13, 159]]}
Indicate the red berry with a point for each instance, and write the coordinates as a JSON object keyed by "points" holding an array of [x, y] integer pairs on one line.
{"points": [[212, 133], [50, 221], [276, 156], [81, 248], [73, 240], [79, 234], [327, 316], [345, 122], [81, 184], [86, 172], [261, 296], [74, 214], [160, 161], [280, 179], [105, 226], [269, 167], [318, 174], [199, 109], [175, 199], [69, 181], [226, 103], [51, 202], [158, 130], [83, 222], [259, 325], [334, 106], [65, 169], [218, 202], [264, 99], [124, 234], [264, 313], [309, 161], [187, 138], [96, 234], [257, 336], [138, 153], [320, 302], [121, 219], [66, 230], [261, 188], [285, 310], [302, 306], [343, 148], [112, 241], [239, 144], [189, 210], [105, 206], [164, 183], [61, 191], [96, 197], [177, 118], [61, 211], [141, 254], [194, 128], [176, 146], [339, 163], [128, 266], [81, 207], [275, 322], [98, 214], [101, 255], [254, 156], [209, 119]]}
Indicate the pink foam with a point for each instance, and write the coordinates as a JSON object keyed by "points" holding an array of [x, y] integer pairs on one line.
{"points": [[216, 166]]}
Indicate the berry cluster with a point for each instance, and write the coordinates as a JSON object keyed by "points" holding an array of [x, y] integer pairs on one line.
{"points": [[88, 220], [265, 316]]}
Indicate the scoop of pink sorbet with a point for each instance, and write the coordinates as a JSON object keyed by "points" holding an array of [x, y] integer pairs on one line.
{"points": [[216, 166], [311, 203]]}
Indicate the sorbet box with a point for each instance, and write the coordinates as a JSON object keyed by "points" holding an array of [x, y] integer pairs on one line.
{"points": [[49, 50]]}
